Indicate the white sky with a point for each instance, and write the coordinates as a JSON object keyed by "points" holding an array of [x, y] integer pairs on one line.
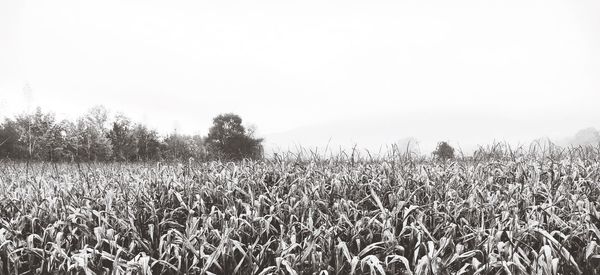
{"points": [[287, 64]]}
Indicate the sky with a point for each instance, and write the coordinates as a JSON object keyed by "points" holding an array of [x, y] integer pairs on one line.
{"points": [[530, 66]]}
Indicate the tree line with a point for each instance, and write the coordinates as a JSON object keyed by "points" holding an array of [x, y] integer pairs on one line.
{"points": [[95, 136]]}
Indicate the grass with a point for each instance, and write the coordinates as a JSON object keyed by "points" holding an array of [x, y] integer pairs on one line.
{"points": [[502, 211]]}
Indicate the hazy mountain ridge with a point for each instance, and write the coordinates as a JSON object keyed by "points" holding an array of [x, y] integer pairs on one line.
{"points": [[421, 133]]}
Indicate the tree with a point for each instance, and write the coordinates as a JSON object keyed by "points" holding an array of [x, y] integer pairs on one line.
{"points": [[444, 151], [228, 139], [10, 147], [92, 142], [35, 136], [39, 134], [123, 139], [183, 147], [148, 143], [63, 141], [589, 136]]}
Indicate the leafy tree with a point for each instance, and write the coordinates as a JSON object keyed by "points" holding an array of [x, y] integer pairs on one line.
{"points": [[183, 147], [589, 136], [123, 139], [92, 142], [10, 147], [444, 151], [63, 141], [197, 147], [36, 136], [228, 139], [148, 143], [90, 138], [39, 133]]}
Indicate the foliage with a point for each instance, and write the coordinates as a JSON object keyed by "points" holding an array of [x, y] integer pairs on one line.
{"points": [[10, 145], [589, 136], [148, 143], [533, 212], [123, 139], [228, 139], [92, 142], [183, 147], [96, 136], [444, 151]]}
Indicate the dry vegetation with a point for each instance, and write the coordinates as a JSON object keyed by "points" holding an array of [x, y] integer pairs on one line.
{"points": [[531, 211]]}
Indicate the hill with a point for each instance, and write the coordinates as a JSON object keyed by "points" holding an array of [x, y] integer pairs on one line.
{"points": [[463, 131]]}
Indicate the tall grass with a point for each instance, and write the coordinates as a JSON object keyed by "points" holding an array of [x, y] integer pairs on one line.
{"points": [[507, 211]]}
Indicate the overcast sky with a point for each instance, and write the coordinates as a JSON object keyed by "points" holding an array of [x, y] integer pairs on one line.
{"points": [[288, 64]]}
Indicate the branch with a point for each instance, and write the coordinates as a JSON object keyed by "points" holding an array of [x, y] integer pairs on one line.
{"points": [[2, 143]]}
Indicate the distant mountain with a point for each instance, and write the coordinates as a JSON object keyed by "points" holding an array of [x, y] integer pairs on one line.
{"points": [[419, 131]]}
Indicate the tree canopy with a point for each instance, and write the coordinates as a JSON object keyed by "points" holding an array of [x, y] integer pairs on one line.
{"points": [[444, 151], [96, 136], [228, 139]]}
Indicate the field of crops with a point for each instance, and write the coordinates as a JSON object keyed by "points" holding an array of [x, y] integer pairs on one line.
{"points": [[504, 212]]}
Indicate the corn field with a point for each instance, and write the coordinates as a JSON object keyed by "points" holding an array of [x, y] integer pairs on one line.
{"points": [[502, 211]]}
